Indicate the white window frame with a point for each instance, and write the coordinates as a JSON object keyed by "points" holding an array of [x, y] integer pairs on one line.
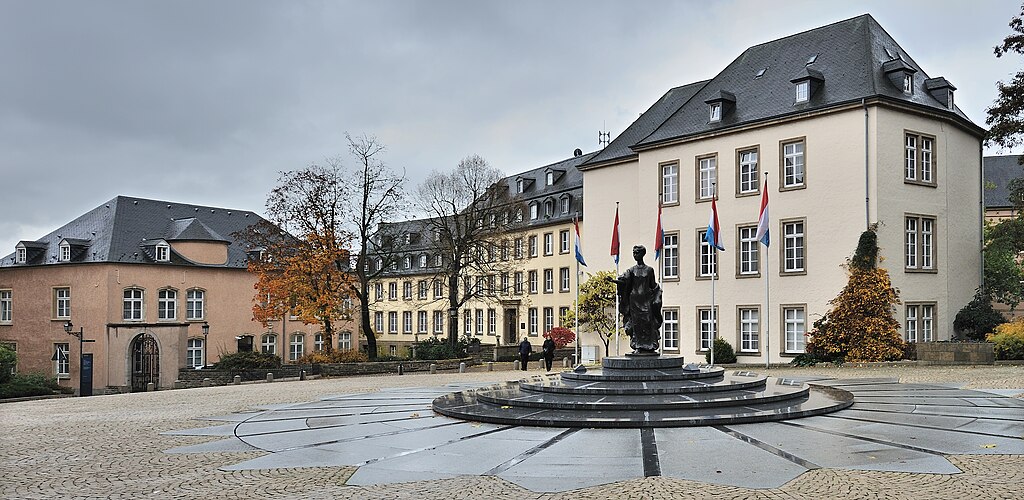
{"points": [[749, 261], [670, 256], [438, 322], [564, 280], [920, 321], [492, 322], [803, 91], [467, 322], [407, 290], [345, 341], [421, 322], [167, 304], [908, 84], [532, 281], [65, 252], [422, 290], [794, 246], [549, 281], [194, 353], [438, 289], [670, 183], [549, 319], [6, 306], [707, 177], [20, 255], [670, 329], [133, 304], [268, 343], [518, 283], [794, 173], [794, 328], [707, 257], [706, 327], [393, 322], [63, 363], [296, 346], [423, 261], [918, 159], [378, 321], [406, 321], [62, 302], [479, 314], [534, 211], [531, 315], [163, 252], [749, 181], [195, 304], [549, 244], [749, 324], [393, 290], [563, 241], [565, 202], [715, 112], [378, 291]]}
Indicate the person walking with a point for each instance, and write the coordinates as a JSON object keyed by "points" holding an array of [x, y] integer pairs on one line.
{"points": [[525, 350], [548, 349]]}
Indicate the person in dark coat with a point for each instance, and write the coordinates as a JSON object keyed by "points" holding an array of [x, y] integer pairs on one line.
{"points": [[549, 352], [525, 350]]}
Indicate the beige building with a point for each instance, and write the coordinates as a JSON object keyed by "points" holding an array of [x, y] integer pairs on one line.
{"points": [[525, 296], [844, 130], [142, 278], [999, 172]]}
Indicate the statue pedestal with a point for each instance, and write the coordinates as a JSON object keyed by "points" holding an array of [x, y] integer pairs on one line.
{"points": [[642, 362]]}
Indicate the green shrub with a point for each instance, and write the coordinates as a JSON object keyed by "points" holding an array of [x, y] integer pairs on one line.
{"points": [[439, 348], [1009, 340], [32, 384], [335, 356], [977, 319], [247, 361], [8, 360], [723, 352]]}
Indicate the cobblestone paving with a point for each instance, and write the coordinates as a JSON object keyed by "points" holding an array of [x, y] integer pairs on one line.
{"points": [[111, 447]]}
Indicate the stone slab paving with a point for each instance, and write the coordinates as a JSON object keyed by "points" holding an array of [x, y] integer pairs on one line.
{"points": [[114, 447]]}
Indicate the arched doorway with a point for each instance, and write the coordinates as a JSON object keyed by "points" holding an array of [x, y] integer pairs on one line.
{"points": [[145, 362]]}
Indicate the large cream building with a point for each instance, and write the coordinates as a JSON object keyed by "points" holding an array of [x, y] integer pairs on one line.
{"points": [[851, 132]]}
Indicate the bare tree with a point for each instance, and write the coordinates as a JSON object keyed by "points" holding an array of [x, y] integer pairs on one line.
{"points": [[377, 199], [470, 211]]}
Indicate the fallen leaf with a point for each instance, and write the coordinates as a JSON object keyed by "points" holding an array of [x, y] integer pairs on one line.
{"points": [[506, 407], [414, 415], [988, 446]]}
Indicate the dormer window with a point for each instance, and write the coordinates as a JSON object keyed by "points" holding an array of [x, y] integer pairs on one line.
{"points": [[423, 261], [20, 255], [908, 84], [715, 112], [407, 262], [803, 91], [438, 260], [565, 202], [549, 178], [520, 185], [900, 74], [533, 211], [549, 208], [380, 264], [949, 100], [65, 252], [163, 252]]}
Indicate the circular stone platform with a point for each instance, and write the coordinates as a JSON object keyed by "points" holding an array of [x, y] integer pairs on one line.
{"points": [[643, 392]]}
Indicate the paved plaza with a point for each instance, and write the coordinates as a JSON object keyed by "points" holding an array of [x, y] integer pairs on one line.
{"points": [[946, 432]]}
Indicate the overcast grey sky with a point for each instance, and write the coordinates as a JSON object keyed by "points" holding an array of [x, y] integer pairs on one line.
{"points": [[206, 101]]}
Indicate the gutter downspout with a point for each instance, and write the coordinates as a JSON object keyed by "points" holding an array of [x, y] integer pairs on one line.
{"points": [[867, 183], [981, 211]]}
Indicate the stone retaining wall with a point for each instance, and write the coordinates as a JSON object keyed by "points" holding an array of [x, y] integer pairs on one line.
{"points": [[956, 353], [194, 378], [369, 368]]}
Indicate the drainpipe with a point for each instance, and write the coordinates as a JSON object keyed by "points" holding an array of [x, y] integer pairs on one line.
{"points": [[981, 213], [867, 183]]}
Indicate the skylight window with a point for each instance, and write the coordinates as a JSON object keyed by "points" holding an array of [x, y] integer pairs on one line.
{"points": [[760, 73], [810, 60]]}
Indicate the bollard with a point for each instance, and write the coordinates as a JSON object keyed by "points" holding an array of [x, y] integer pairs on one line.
{"points": [[565, 362], [238, 380], [150, 387], [270, 376], [462, 367], [490, 366], [433, 368], [401, 369], [516, 365], [206, 382], [302, 374]]}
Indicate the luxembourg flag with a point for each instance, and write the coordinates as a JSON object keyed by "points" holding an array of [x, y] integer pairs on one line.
{"points": [[659, 237], [579, 246], [714, 234], [615, 237], [762, 220]]}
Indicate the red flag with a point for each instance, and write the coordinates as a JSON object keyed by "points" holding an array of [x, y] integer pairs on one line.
{"points": [[615, 237]]}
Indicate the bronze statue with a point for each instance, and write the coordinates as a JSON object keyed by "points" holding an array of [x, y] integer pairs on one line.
{"points": [[640, 305]]}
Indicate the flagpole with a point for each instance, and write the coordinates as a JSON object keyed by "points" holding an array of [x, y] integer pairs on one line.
{"points": [[617, 319], [767, 299], [576, 315], [714, 274]]}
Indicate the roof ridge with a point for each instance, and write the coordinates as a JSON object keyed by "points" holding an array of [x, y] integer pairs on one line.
{"points": [[809, 30]]}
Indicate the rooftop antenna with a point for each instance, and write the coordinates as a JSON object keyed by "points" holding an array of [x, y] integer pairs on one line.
{"points": [[603, 137]]}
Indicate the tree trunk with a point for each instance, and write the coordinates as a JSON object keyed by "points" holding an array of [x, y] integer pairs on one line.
{"points": [[453, 310], [371, 337]]}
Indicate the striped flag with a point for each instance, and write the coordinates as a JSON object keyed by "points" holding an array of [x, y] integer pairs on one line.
{"points": [[714, 234], [615, 237], [579, 246], [659, 236], [762, 220]]}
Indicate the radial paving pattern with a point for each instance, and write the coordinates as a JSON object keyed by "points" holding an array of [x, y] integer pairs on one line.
{"points": [[393, 436]]}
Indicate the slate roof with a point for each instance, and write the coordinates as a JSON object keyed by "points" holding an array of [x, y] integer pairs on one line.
{"points": [[848, 57], [999, 171], [124, 228]]}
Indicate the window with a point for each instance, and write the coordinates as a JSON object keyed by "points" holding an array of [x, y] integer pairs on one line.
{"points": [[549, 280], [479, 321], [549, 243], [803, 91], [706, 326], [423, 261], [794, 328], [467, 322], [393, 322], [908, 84], [438, 260], [378, 290], [549, 318], [163, 252], [534, 211], [793, 247], [566, 201], [6, 306], [167, 304], [919, 242], [504, 250], [438, 289], [65, 252], [670, 256], [533, 245], [549, 178], [492, 322], [715, 112], [63, 355], [750, 328], [194, 353], [707, 257], [563, 279], [748, 248], [62, 303], [520, 185], [918, 160], [562, 311], [407, 290], [563, 241], [670, 183], [532, 321], [793, 164], [378, 322], [195, 301], [518, 248], [670, 329], [20, 255], [748, 182], [345, 341], [438, 322], [407, 262], [393, 350], [132, 304], [392, 291], [296, 347], [549, 208], [519, 283], [707, 176], [406, 321], [532, 280], [504, 283], [268, 343], [422, 290]]}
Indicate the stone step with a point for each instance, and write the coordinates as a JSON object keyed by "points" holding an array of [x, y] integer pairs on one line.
{"points": [[557, 385]]}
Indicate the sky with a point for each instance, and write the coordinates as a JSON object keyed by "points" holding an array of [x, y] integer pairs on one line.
{"points": [[206, 102]]}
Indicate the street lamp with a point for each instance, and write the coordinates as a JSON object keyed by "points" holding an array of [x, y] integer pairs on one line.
{"points": [[206, 335], [83, 389]]}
